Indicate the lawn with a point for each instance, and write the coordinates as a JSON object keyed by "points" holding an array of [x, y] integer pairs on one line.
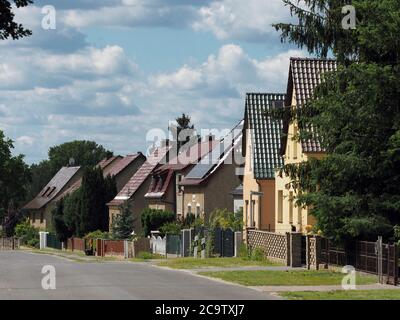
{"points": [[344, 295], [192, 263], [286, 278]]}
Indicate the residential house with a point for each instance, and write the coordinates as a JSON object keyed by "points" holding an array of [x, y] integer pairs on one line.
{"points": [[40, 208], [208, 185], [121, 168], [261, 149], [304, 76], [133, 193], [164, 192]]}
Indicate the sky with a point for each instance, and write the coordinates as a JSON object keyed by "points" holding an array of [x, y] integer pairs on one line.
{"points": [[113, 70]]}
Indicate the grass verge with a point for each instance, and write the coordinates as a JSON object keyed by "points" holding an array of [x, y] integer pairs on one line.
{"points": [[344, 295], [192, 263], [286, 278]]}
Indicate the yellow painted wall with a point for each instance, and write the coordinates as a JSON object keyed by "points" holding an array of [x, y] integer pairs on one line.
{"points": [[300, 218], [264, 206]]}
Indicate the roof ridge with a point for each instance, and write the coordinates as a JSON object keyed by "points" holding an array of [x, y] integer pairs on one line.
{"points": [[312, 59]]}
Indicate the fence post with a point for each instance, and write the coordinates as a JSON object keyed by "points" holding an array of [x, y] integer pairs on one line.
{"points": [[295, 250], [288, 249], [238, 243]]}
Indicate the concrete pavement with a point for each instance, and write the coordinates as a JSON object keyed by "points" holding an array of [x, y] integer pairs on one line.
{"points": [[20, 278]]}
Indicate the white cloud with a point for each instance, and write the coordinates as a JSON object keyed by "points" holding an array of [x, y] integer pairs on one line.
{"points": [[237, 19]]}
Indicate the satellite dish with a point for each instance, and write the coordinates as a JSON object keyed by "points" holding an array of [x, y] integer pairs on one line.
{"points": [[71, 162]]}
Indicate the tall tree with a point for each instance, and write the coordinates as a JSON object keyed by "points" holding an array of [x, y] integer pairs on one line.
{"points": [[14, 176], [184, 130], [85, 210], [123, 223], [354, 192], [79, 153], [8, 26]]}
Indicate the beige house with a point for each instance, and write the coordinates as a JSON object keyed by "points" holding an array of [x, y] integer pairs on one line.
{"points": [[304, 76], [39, 210], [164, 192], [261, 149], [209, 184], [134, 191]]}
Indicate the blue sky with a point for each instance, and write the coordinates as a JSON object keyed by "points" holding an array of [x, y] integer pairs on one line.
{"points": [[115, 69]]}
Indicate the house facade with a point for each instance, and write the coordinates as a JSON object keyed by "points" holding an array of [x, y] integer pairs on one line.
{"points": [[209, 184], [39, 210], [164, 191], [134, 191], [261, 149], [304, 75]]}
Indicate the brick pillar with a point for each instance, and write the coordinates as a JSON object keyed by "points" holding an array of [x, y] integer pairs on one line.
{"points": [[308, 251], [295, 249], [317, 252]]}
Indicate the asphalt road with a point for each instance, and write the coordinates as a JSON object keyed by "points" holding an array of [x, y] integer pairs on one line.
{"points": [[21, 278]]}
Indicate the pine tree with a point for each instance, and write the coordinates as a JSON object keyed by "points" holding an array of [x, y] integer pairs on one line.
{"points": [[123, 223]]}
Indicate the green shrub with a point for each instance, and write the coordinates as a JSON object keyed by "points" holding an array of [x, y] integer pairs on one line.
{"points": [[171, 228], [224, 219], [97, 235], [34, 243], [27, 233], [153, 219], [145, 255], [257, 254]]}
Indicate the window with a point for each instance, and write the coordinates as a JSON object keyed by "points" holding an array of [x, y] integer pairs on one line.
{"points": [[299, 216], [189, 209], [295, 132], [247, 212], [280, 206], [198, 211], [41, 217], [33, 217], [291, 200]]}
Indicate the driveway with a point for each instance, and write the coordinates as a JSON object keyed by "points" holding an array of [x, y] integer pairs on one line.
{"points": [[21, 277]]}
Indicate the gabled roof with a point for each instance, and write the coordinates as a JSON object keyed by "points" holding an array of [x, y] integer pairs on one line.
{"points": [[210, 163], [121, 164], [141, 175], [305, 74], [111, 166], [162, 177], [53, 188], [265, 133]]}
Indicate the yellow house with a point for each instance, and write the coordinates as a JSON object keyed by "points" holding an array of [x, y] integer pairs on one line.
{"points": [[261, 149], [304, 75]]}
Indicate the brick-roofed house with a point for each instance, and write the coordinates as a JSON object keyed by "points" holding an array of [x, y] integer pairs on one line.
{"points": [[261, 149], [164, 192], [39, 209], [305, 74], [137, 186], [209, 184]]}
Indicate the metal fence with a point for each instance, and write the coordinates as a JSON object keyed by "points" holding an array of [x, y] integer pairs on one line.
{"points": [[370, 257]]}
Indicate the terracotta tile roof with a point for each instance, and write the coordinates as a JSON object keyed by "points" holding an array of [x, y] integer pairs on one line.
{"points": [[121, 164], [53, 188], [107, 161], [305, 74], [163, 177], [140, 176], [265, 133], [210, 163]]}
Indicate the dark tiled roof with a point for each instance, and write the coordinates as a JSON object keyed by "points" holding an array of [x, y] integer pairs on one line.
{"points": [[238, 191], [53, 188], [112, 166], [305, 75], [265, 132], [140, 176], [214, 160]]}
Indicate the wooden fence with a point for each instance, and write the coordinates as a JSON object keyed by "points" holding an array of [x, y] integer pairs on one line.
{"points": [[7, 244]]}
